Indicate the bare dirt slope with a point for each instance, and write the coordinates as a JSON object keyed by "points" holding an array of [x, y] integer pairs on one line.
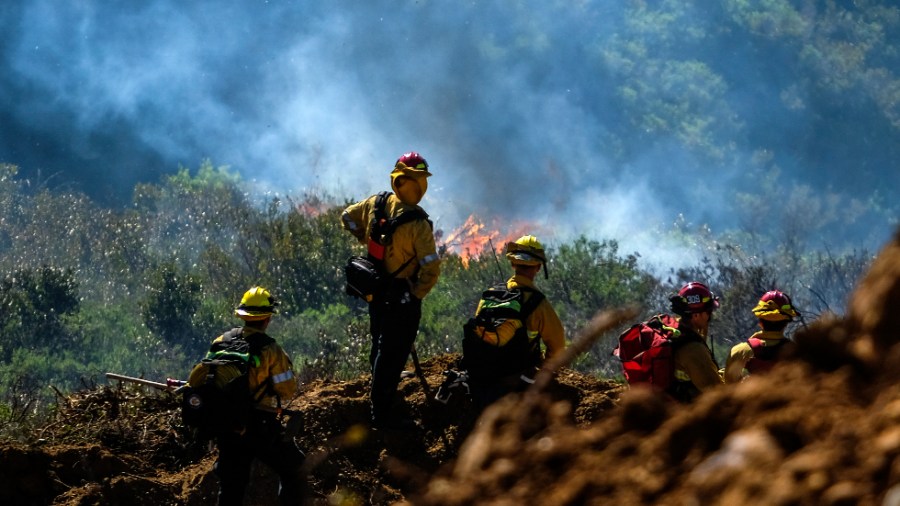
{"points": [[822, 429], [112, 445]]}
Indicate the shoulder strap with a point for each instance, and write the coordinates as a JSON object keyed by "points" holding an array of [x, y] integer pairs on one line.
{"points": [[225, 341], [380, 203], [532, 303], [232, 334], [527, 306], [257, 342], [384, 226], [764, 350]]}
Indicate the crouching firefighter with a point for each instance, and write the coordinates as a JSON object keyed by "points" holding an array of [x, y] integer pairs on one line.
{"points": [[238, 390], [502, 343]]}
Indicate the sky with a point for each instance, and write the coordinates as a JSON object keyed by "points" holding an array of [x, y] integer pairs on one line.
{"points": [[500, 97]]}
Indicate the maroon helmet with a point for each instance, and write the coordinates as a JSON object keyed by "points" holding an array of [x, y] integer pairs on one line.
{"points": [[694, 297], [413, 162], [775, 306]]}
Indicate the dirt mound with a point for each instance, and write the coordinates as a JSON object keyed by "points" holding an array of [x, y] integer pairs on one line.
{"points": [[125, 445], [821, 429]]}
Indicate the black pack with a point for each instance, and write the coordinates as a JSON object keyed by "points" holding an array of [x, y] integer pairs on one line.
{"points": [[488, 350], [365, 275], [217, 397]]}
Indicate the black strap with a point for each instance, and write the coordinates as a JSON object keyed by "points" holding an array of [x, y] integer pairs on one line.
{"points": [[385, 227], [399, 269], [404, 217], [536, 298], [258, 341]]}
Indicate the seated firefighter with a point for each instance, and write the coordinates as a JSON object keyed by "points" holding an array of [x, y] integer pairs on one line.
{"points": [[502, 343], [760, 352], [695, 366]]}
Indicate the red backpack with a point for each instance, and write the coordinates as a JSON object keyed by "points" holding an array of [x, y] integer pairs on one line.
{"points": [[646, 351], [764, 357]]}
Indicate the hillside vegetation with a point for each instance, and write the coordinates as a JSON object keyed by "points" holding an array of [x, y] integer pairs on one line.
{"points": [[142, 290]]}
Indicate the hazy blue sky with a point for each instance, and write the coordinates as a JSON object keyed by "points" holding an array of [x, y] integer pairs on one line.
{"points": [[508, 101]]}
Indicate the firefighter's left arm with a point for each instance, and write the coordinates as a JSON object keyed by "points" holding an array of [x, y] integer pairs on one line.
{"points": [[545, 320], [427, 257], [694, 359], [281, 372], [741, 353]]}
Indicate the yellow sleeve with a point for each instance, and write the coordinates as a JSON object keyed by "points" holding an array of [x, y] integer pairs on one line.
{"points": [[355, 219], [428, 259], [694, 359], [415, 240], [275, 367], [546, 323], [741, 353]]}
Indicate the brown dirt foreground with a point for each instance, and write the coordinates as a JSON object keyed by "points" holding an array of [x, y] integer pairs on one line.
{"points": [[822, 429]]}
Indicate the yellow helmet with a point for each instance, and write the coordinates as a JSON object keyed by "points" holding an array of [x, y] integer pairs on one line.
{"points": [[527, 250], [257, 304], [775, 306]]}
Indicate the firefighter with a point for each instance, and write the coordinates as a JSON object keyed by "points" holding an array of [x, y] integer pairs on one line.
{"points": [[774, 311], [695, 366], [408, 254], [273, 383], [501, 356]]}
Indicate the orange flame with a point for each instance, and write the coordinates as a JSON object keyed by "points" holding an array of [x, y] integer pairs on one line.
{"points": [[472, 239], [311, 206]]}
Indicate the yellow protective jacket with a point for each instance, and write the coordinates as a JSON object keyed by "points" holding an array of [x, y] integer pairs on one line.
{"points": [[275, 367], [694, 363], [543, 322], [411, 240], [741, 353]]}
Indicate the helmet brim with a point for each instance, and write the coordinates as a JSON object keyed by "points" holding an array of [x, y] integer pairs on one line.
{"points": [[252, 315], [522, 258]]}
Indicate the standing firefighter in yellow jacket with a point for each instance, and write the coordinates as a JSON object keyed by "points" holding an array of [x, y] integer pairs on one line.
{"points": [[235, 395], [405, 253], [502, 343]]}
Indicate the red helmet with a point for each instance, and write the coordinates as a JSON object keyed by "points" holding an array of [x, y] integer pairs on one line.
{"points": [[694, 297], [775, 306], [414, 162]]}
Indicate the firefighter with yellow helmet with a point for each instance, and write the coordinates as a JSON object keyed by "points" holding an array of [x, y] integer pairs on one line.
{"points": [[400, 241], [502, 343], [272, 384], [761, 351]]}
